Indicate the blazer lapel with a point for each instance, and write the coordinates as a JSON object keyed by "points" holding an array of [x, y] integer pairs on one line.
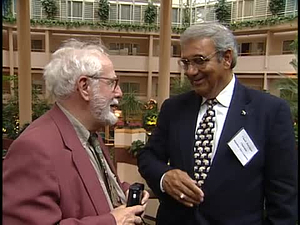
{"points": [[81, 161], [225, 162], [186, 131]]}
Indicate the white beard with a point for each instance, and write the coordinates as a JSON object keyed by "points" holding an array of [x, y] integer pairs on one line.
{"points": [[100, 108]]}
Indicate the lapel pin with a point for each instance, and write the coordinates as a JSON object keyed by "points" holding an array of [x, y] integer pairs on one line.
{"points": [[243, 113]]}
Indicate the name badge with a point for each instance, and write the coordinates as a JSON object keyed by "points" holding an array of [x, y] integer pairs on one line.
{"points": [[243, 147]]}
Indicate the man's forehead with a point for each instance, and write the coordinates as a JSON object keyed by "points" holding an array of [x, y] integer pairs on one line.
{"points": [[198, 47]]}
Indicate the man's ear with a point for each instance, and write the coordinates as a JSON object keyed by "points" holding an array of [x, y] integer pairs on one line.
{"points": [[227, 57], [83, 87]]}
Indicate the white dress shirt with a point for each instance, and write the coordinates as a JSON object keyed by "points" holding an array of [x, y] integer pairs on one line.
{"points": [[221, 109]]}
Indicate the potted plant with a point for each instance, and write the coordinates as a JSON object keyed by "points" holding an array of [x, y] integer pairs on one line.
{"points": [[129, 128], [150, 116]]}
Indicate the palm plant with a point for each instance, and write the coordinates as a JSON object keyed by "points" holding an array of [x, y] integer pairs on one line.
{"points": [[289, 89], [130, 106], [179, 87]]}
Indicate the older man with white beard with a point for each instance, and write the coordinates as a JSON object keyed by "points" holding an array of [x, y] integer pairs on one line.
{"points": [[59, 171]]}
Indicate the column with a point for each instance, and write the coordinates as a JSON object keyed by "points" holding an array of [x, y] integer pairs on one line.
{"points": [[150, 59], [266, 63], [48, 53], [11, 59], [24, 61], [164, 51]]}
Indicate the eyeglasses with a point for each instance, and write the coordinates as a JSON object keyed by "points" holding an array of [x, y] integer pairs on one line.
{"points": [[112, 82], [198, 61]]}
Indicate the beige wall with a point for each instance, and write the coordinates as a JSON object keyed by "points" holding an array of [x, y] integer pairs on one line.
{"points": [[254, 64], [130, 63], [255, 83], [277, 42]]}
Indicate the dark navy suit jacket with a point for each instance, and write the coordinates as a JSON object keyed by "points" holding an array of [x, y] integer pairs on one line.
{"points": [[234, 194]]}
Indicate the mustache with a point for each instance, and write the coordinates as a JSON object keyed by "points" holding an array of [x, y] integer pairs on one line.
{"points": [[114, 102]]}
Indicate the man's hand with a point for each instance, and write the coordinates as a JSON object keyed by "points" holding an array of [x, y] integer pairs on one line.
{"points": [[128, 215], [181, 187]]}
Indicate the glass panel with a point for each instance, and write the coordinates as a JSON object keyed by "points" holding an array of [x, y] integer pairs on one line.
{"points": [[77, 9], [137, 13], [248, 8], [113, 12], [240, 8], [174, 15], [246, 48], [69, 9], [286, 47], [130, 87], [125, 12], [260, 48], [37, 45], [88, 10]]}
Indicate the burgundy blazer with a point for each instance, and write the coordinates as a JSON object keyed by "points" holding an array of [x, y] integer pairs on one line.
{"points": [[48, 177]]}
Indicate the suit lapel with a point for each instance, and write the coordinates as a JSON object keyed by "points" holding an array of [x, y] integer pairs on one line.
{"points": [[186, 132], [225, 162], [81, 161]]}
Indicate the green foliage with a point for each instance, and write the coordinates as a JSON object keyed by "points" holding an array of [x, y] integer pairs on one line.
{"points": [[222, 9], [294, 62], [146, 27], [135, 147], [7, 7], [10, 118], [186, 16], [150, 13], [50, 8], [178, 87], [10, 111], [289, 89], [103, 11], [130, 107], [261, 23], [276, 6]]}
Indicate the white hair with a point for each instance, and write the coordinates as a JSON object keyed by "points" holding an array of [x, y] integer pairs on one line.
{"points": [[69, 62]]}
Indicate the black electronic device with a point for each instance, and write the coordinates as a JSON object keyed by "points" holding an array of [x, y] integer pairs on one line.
{"points": [[135, 194]]}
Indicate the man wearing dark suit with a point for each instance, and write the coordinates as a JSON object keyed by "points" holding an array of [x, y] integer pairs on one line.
{"points": [[55, 172], [238, 166]]}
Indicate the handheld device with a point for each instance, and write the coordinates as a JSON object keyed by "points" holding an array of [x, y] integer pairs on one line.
{"points": [[135, 194]]}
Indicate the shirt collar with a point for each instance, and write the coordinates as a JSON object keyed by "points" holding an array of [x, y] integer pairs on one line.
{"points": [[224, 97], [82, 133]]}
